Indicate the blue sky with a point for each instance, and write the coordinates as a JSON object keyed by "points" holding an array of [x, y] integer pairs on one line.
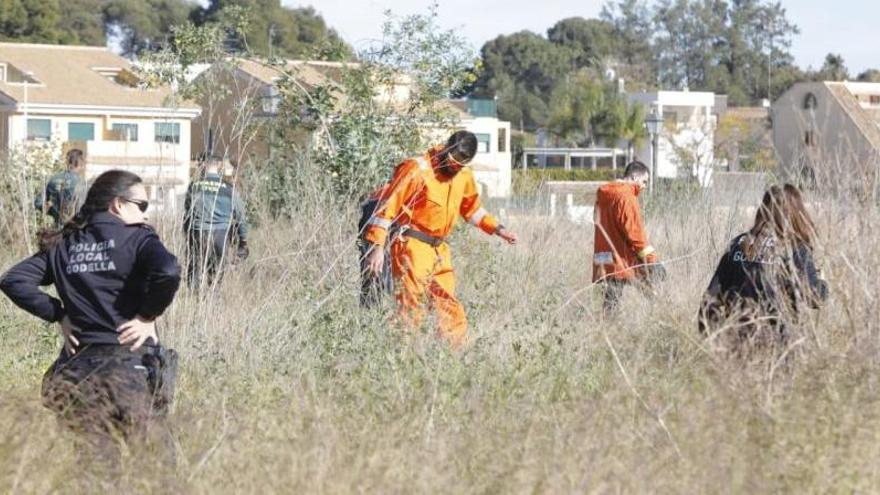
{"points": [[847, 27]]}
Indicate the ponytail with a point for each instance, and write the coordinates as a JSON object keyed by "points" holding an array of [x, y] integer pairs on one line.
{"points": [[107, 187], [49, 238]]}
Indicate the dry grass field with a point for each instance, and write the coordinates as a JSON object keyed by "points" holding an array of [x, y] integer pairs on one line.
{"points": [[287, 386]]}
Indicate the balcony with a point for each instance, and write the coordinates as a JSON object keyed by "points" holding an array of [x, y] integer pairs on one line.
{"points": [[135, 153]]}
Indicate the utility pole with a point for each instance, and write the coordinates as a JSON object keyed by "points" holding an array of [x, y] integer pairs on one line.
{"points": [[654, 124], [271, 39], [770, 61]]}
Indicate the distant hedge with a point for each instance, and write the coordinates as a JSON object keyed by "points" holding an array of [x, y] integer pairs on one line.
{"points": [[527, 182]]}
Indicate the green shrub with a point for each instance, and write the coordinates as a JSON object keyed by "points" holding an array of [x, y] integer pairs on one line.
{"points": [[527, 182]]}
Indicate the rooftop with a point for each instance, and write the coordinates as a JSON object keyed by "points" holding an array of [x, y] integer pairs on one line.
{"points": [[310, 73], [75, 75], [676, 98], [866, 119]]}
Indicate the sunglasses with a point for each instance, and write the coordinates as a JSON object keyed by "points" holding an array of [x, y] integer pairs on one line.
{"points": [[142, 205]]}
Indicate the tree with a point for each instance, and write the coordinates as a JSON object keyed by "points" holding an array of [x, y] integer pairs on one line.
{"points": [[756, 27], [833, 69], [275, 30], [82, 22], [30, 20], [141, 24], [633, 30], [621, 120], [590, 40], [736, 47], [522, 69], [870, 75], [586, 110], [574, 107], [144, 24], [784, 77], [744, 144], [689, 42]]}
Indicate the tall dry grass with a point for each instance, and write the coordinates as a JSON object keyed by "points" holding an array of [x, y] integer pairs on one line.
{"points": [[287, 386]]}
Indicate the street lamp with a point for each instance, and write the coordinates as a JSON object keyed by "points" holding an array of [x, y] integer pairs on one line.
{"points": [[653, 123]]}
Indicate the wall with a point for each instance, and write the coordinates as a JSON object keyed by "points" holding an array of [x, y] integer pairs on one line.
{"points": [[839, 142], [690, 135], [163, 166], [4, 132], [230, 117], [492, 169]]}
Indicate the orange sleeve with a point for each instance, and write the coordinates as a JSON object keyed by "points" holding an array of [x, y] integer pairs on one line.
{"points": [[403, 188], [634, 230], [472, 210]]}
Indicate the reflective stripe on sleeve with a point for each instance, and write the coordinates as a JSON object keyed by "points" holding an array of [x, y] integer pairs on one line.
{"points": [[603, 258], [423, 162], [478, 216], [644, 253], [380, 222]]}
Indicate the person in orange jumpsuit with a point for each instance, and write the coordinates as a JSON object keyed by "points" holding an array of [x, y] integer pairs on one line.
{"points": [[426, 196], [621, 251]]}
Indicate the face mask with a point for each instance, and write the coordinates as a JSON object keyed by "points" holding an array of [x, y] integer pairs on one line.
{"points": [[448, 171], [451, 167]]}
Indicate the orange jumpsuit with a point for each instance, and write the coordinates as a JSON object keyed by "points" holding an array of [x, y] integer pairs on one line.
{"points": [[423, 199], [620, 242]]}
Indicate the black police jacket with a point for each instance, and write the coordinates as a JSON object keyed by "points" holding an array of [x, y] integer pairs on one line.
{"points": [[105, 275], [775, 279]]}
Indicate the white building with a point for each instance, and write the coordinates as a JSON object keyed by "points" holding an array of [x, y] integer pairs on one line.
{"points": [[492, 165], [89, 98], [685, 147]]}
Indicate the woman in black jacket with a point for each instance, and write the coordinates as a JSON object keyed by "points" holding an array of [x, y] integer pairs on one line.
{"points": [[768, 275], [113, 277]]}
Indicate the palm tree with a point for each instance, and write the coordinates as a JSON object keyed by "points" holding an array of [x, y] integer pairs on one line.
{"points": [[834, 68], [574, 106], [633, 130], [621, 121]]}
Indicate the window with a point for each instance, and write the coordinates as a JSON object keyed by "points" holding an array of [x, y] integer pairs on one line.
{"points": [[14, 75], [502, 139], [80, 131], [810, 138], [126, 132], [39, 129], [875, 99], [118, 75], [168, 132], [483, 142], [810, 102]]}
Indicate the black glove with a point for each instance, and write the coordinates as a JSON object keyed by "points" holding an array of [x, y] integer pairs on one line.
{"points": [[655, 272], [243, 251]]}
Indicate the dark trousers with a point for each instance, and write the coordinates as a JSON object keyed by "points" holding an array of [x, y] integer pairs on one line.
{"points": [[104, 393], [612, 292], [374, 287], [209, 252]]}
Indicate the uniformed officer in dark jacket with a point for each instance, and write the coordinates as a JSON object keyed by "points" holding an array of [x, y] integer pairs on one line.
{"points": [[113, 277], [215, 224], [768, 275], [64, 190]]}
